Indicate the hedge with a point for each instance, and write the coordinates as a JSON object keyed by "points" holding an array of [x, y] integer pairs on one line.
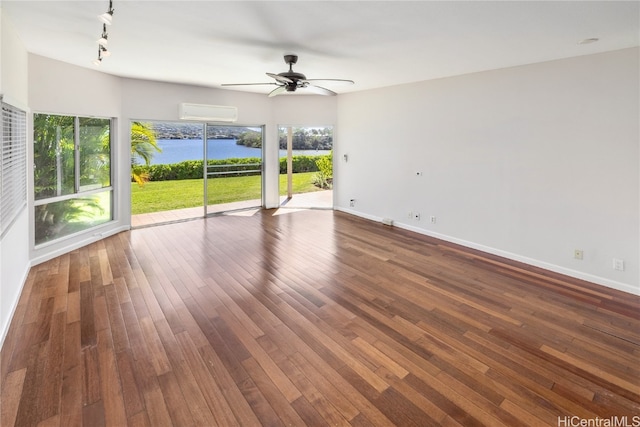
{"points": [[301, 163], [192, 169]]}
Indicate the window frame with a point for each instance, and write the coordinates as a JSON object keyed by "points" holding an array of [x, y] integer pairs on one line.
{"points": [[78, 193]]}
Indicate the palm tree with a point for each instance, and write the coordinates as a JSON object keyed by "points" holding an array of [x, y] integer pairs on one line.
{"points": [[143, 147]]}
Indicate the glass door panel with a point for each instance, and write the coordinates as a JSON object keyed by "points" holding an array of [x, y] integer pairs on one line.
{"points": [[233, 158], [166, 165], [306, 167]]}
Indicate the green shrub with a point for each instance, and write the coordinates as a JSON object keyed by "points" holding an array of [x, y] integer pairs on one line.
{"points": [[300, 164], [192, 169], [324, 177]]}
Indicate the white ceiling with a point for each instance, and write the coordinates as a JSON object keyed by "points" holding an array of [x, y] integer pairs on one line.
{"points": [[376, 44]]}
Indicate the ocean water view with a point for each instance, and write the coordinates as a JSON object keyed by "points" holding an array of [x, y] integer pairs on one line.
{"points": [[178, 150]]}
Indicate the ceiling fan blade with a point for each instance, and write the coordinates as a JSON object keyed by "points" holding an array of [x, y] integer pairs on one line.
{"points": [[334, 82], [277, 91], [246, 84], [319, 90], [279, 78]]}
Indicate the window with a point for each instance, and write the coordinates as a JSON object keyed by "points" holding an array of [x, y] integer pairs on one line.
{"points": [[72, 174], [13, 176]]}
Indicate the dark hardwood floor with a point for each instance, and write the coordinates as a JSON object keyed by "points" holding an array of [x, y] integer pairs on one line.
{"points": [[312, 318]]}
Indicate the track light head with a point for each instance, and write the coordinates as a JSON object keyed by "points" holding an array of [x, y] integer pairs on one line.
{"points": [[98, 60], [107, 17], [104, 38]]}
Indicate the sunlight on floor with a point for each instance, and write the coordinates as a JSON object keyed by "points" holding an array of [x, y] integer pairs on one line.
{"points": [[245, 212], [313, 200], [283, 211]]}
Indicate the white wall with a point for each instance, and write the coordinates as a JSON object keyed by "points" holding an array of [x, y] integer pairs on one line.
{"points": [[14, 247], [529, 162], [59, 88], [304, 110]]}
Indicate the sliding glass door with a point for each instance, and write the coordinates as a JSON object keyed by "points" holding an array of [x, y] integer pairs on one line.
{"points": [[166, 172], [183, 170], [233, 168]]}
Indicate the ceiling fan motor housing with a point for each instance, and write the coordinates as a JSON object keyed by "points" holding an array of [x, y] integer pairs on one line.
{"points": [[292, 75]]}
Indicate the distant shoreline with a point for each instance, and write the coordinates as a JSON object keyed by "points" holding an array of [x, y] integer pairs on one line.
{"points": [[179, 150]]}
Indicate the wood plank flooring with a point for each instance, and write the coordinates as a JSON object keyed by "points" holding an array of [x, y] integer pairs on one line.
{"points": [[312, 318]]}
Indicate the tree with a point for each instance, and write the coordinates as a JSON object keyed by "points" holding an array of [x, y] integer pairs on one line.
{"points": [[251, 139], [143, 147]]}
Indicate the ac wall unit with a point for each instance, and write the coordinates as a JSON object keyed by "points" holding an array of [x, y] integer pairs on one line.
{"points": [[209, 113]]}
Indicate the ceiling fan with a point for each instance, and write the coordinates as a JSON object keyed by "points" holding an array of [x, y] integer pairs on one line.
{"points": [[290, 81]]}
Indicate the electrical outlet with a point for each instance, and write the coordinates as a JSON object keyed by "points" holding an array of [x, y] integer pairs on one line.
{"points": [[432, 219], [618, 264], [352, 202], [416, 216], [578, 254]]}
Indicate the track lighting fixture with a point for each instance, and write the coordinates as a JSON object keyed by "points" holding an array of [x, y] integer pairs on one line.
{"points": [[106, 19], [103, 40], [98, 60]]}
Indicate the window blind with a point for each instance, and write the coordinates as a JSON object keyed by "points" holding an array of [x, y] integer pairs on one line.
{"points": [[13, 176]]}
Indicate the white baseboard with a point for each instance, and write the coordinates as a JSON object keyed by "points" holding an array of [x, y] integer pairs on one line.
{"points": [[77, 244], [515, 257], [14, 306]]}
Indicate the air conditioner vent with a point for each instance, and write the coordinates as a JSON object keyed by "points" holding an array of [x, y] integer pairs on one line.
{"points": [[208, 113]]}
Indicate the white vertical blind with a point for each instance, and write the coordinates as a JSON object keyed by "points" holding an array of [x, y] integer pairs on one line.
{"points": [[13, 175]]}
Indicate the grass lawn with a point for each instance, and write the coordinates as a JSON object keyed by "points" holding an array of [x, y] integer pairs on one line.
{"points": [[158, 196]]}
